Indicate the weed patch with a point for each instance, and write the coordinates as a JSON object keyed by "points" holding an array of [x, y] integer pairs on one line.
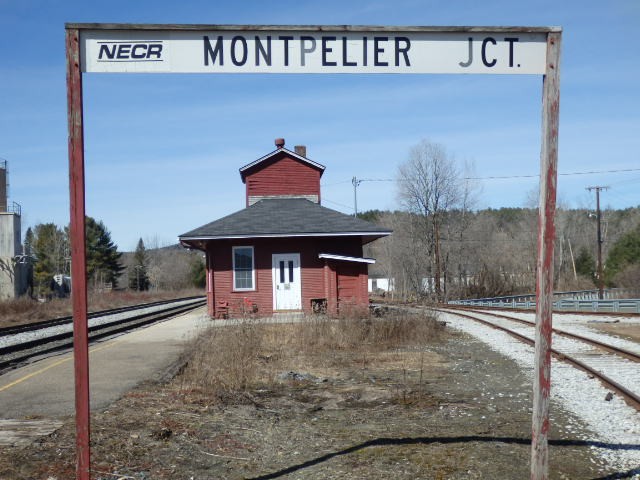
{"points": [[227, 363]]}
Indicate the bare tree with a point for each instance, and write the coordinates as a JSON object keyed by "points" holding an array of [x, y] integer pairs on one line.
{"points": [[459, 252], [400, 255], [429, 186]]}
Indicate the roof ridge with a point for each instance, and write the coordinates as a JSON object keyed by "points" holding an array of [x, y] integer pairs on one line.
{"points": [[286, 217], [280, 150]]}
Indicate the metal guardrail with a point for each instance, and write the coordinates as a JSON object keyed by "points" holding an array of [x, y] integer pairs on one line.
{"points": [[12, 207], [608, 294], [631, 305], [15, 208], [613, 306]]}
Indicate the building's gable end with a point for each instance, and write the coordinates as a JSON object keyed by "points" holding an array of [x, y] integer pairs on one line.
{"points": [[282, 176]]}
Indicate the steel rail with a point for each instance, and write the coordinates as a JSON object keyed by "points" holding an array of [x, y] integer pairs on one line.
{"points": [[631, 398], [555, 311], [628, 354], [53, 322], [15, 355]]}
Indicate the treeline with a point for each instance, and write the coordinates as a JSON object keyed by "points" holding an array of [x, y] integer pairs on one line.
{"points": [[444, 248], [493, 252], [48, 248], [155, 267]]}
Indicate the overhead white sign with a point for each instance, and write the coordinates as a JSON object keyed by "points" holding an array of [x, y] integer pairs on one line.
{"points": [[263, 51]]}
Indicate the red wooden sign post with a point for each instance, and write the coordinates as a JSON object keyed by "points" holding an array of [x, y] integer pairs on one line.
{"points": [[544, 272], [78, 253], [300, 49]]}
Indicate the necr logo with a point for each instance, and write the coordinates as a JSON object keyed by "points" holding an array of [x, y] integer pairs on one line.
{"points": [[120, 51]]}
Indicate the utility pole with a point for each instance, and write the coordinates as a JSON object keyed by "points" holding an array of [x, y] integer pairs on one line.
{"points": [[573, 262], [598, 217], [355, 183]]}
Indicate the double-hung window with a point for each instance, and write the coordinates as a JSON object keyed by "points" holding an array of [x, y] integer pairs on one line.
{"points": [[243, 268]]}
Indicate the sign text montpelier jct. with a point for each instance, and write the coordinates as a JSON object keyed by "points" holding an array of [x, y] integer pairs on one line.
{"points": [[149, 51]]}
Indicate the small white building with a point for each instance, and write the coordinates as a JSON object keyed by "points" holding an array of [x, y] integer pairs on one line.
{"points": [[378, 284]]}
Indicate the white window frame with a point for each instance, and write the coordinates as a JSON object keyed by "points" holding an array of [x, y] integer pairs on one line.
{"points": [[253, 268]]}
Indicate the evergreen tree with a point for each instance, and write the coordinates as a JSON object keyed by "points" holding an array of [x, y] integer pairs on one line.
{"points": [[625, 252], [198, 272], [585, 264], [138, 276], [50, 247], [103, 259], [370, 215], [29, 238]]}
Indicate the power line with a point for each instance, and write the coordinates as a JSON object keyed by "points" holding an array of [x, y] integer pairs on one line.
{"points": [[503, 177], [324, 199], [335, 183], [628, 180], [592, 172], [376, 180], [356, 183]]}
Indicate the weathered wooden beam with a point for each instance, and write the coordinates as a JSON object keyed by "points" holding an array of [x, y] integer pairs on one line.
{"points": [[544, 273], [78, 253], [311, 28]]}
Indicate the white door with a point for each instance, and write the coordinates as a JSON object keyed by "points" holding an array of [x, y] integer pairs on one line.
{"points": [[286, 281]]}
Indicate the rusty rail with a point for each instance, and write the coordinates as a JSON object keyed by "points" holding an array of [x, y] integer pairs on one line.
{"points": [[631, 398]]}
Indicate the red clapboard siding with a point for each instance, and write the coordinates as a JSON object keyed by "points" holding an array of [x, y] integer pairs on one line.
{"points": [[348, 286], [283, 176], [350, 283], [312, 271]]}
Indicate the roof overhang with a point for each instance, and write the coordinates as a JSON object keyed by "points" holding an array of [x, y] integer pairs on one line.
{"points": [[273, 154], [285, 235], [344, 258], [197, 244]]}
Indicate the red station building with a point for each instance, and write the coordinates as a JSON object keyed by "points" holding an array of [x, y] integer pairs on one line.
{"points": [[284, 252]]}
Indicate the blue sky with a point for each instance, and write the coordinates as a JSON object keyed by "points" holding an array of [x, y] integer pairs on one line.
{"points": [[163, 151]]}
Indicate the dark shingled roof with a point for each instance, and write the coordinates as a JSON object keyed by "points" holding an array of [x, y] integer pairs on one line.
{"points": [[284, 217]]}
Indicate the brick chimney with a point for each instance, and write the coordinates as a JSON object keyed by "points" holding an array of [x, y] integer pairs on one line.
{"points": [[301, 150], [279, 142]]}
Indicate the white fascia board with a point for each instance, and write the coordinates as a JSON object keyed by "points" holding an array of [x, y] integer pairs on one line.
{"points": [[331, 256], [285, 235], [293, 154]]}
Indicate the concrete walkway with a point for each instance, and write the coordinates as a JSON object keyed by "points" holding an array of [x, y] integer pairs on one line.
{"points": [[46, 388]]}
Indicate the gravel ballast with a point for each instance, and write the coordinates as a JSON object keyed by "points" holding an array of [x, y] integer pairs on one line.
{"points": [[610, 422]]}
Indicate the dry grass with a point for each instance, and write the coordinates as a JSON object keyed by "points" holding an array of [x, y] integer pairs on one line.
{"points": [[226, 363], [26, 310]]}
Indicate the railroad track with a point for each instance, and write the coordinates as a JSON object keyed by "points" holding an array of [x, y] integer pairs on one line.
{"points": [[27, 327], [617, 367], [20, 344]]}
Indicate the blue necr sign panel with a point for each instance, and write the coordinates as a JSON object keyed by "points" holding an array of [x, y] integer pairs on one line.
{"points": [[290, 51]]}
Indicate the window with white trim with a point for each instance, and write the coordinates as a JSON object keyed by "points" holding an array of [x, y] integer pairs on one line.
{"points": [[243, 268]]}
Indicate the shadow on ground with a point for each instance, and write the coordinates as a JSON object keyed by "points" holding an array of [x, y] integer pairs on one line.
{"points": [[377, 442]]}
